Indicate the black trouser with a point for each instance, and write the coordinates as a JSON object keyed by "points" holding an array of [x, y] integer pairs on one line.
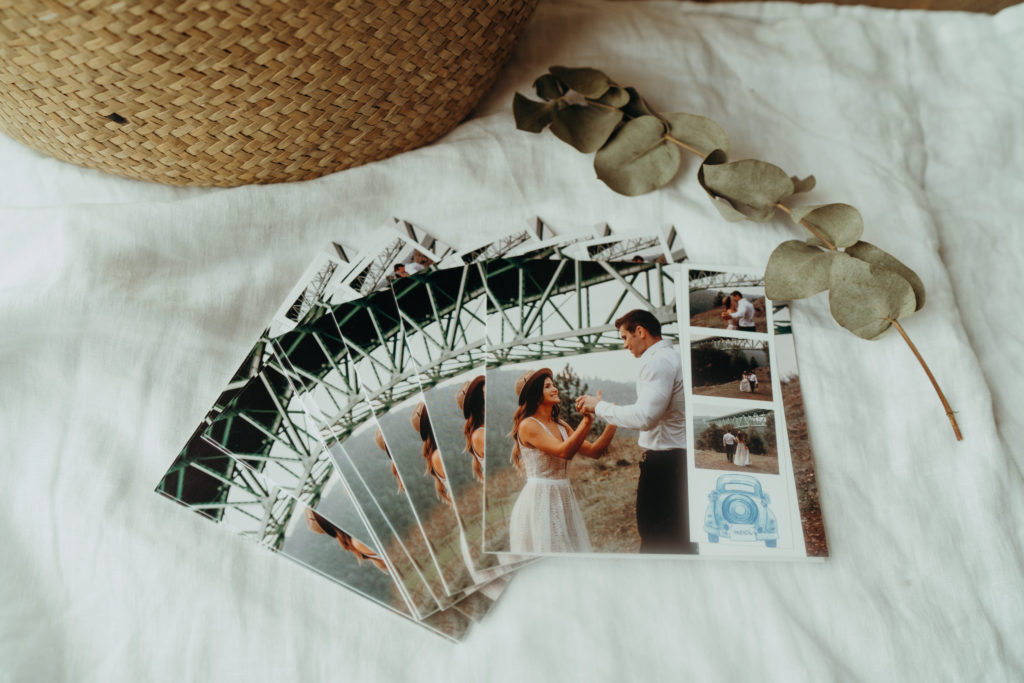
{"points": [[662, 516], [730, 451]]}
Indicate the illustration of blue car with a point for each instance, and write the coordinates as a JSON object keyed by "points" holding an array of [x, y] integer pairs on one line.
{"points": [[738, 511]]}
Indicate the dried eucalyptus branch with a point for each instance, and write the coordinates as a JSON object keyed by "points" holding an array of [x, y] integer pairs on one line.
{"points": [[638, 150]]}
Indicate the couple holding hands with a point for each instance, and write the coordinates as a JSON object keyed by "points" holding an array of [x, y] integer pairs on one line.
{"points": [[546, 517]]}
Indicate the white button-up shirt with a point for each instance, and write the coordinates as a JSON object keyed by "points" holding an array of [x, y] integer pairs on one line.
{"points": [[744, 313], [659, 412]]}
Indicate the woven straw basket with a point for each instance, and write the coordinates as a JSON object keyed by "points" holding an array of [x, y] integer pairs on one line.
{"points": [[229, 92]]}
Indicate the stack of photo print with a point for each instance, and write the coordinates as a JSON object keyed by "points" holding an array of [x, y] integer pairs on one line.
{"points": [[413, 424]]}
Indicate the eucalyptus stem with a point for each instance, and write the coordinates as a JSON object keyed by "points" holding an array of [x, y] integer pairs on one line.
{"points": [[684, 146], [814, 231], [866, 285], [942, 397]]}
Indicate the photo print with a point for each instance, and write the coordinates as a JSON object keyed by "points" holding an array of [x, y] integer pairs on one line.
{"points": [[447, 311], [727, 300], [213, 484], [266, 430], [740, 439], [736, 367], [796, 436], [398, 250], [277, 411], [560, 477], [751, 471], [447, 307], [320, 367]]}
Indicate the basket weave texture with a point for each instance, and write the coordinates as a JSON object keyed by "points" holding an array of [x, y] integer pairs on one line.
{"points": [[230, 92]]}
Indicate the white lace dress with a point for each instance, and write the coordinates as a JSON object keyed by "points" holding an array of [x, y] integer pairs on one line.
{"points": [[742, 456], [546, 517]]}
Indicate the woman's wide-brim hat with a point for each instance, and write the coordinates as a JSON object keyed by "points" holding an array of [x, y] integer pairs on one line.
{"points": [[416, 419], [528, 378], [467, 390]]}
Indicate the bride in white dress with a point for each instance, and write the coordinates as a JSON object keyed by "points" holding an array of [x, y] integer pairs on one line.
{"points": [[742, 456], [745, 384], [546, 517]]}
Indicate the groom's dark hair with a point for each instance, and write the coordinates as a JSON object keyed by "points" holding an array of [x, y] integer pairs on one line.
{"points": [[736, 292], [639, 318]]}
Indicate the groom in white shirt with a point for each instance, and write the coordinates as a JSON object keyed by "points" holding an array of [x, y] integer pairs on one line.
{"points": [[744, 313], [660, 415]]}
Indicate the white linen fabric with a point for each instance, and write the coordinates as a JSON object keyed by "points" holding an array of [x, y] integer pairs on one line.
{"points": [[546, 517], [660, 408], [126, 306]]}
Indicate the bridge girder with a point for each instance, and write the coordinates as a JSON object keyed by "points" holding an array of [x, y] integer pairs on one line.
{"points": [[710, 279]]}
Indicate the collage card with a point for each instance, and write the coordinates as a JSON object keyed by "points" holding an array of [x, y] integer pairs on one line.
{"points": [[420, 420]]}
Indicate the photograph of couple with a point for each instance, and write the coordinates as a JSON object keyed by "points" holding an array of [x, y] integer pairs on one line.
{"points": [[597, 449], [735, 440], [728, 301], [730, 367]]}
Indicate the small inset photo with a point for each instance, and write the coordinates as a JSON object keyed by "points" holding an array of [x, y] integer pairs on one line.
{"points": [[739, 510], [730, 367], [740, 441], [727, 301]]}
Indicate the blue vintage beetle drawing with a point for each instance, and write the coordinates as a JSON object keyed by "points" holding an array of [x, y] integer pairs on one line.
{"points": [[738, 510]]}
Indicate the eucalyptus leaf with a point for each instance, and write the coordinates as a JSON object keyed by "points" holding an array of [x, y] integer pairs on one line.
{"points": [[863, 298], [727, 211], [615, 97], [548, 87], [752, 187], [586, 81], [801, 185], [530, 115], [865, 251], [841, 224], [585, 128], [638, 159], [698, 132], [796, 271], [637, 105]]}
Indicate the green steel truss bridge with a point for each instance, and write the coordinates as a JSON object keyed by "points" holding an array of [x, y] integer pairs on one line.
{"points": [[731, 344], [429, 328], [757, 417], [713, 279], [546, 309]]}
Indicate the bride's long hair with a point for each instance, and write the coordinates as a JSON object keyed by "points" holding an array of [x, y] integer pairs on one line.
{"points": [[318, 524], [531, 396], [421, 423], [470, 400]]}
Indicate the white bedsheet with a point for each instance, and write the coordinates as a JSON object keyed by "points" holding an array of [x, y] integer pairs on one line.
{"points": [[125, 306]]}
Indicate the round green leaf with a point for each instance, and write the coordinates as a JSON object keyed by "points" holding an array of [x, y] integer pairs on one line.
{"points": [[587, 82], [585, 128], [796, 271], [698, 132], [531, 116], [615, 97], [752, 187], [803, 185], [865, 251], [863, 298], [727, 212], [841, 224], [637, 105], [638, 159], [548, 87]]}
